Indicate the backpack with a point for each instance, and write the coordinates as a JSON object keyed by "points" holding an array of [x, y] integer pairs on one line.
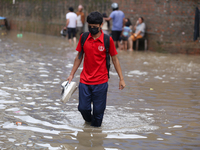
{"points": [[106, 44]]}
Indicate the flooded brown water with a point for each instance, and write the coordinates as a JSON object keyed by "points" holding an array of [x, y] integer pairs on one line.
{"points": [[158, 109]]}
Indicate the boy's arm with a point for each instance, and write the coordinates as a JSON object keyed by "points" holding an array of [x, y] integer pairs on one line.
{"points": [[119, 71], [83, 18], [107, 19], [77, 63]]}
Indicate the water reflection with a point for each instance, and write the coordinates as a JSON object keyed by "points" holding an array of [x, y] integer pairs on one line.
{"points": [[160, 105], [90, 138]]}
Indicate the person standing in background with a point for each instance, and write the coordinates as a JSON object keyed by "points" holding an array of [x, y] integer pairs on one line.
{"points": [[80, 20], [71, 24], [118, 21]]}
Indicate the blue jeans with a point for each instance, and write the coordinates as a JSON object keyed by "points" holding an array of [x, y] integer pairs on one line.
{"points": [[96, 94]]}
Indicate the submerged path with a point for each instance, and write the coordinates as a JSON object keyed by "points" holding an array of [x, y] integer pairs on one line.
{"points": [[159, 108]]}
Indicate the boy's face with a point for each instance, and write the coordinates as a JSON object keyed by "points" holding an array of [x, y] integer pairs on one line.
{"points": [[95, 25], [94, 29]]}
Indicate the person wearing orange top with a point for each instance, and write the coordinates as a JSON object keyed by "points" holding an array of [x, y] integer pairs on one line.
{"points": [[80, 20]]}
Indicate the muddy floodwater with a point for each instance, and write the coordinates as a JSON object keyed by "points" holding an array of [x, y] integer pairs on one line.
{"points": [[159, 108]]}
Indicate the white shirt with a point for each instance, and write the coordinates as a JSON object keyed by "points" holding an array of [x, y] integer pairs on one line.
{"points": [[72, 19], [140, 27], [79, 22]]}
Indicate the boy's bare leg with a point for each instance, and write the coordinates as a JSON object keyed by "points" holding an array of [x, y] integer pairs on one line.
{"points": [[122, 47], [70, 41], [119, 45], [125, 45], [74, 39], [130, 41], [115, 42]]}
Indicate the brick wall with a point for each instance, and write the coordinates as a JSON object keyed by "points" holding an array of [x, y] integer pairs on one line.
{"points": [[45, 16], [170, 23]]}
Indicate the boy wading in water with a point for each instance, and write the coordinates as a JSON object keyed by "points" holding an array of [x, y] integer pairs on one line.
{"points": [[93, 84]]}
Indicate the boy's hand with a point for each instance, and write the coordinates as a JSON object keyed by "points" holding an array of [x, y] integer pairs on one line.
{"points": [[121, 84], [70, 78]]}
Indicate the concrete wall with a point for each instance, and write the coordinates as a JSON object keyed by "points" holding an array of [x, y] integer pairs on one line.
{"points": [[170, 23]]}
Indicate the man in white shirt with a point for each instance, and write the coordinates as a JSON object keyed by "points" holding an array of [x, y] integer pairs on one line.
{"points": [[71, 24]]}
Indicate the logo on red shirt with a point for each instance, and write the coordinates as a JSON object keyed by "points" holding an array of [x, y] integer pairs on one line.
{"points": [[101, 48]]}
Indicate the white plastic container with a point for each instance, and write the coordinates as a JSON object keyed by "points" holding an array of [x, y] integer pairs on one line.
{"points": [[67, 90]]}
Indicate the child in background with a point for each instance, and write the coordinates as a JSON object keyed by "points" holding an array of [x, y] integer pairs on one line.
{"points": [[127, 20], [125, 35]]}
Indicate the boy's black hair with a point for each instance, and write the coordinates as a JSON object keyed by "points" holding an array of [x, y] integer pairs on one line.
{"points": [[95, 18], [71, 9]]}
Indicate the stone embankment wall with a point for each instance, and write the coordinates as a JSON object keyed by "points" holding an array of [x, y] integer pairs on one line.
{"points": [[170, 23]]}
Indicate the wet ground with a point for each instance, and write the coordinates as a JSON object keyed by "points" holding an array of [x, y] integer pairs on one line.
{"points": [[158, 109]]}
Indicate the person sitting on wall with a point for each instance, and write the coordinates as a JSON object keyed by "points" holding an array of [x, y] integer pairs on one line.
{"points": [[139, 32]]}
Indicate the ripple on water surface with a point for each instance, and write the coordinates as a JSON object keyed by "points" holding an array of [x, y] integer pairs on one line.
{"points": [[159, 106]]}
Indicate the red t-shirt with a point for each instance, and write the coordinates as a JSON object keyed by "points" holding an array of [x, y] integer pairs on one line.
{"points": [[94, 65]]}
